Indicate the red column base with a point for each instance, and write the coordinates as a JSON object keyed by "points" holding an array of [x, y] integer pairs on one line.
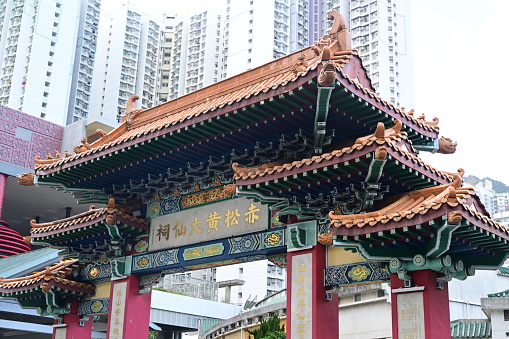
{"points": [[129, 312], [72, 326], [308, 288], [430, 322]]}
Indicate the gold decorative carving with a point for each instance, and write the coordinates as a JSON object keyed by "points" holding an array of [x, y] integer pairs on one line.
{"points": [[230, 189], [204, 197], [26, 179]]}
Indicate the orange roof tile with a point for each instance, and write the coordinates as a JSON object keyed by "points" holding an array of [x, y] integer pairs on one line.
{"points": [[415, 204], [56, 274], [203, 103], [395, 139], [91, 216]]}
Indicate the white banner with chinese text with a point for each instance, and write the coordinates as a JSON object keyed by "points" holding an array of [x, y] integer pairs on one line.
{"points": [[302, 300]]}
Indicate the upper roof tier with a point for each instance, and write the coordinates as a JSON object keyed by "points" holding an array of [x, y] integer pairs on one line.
{"points": [[276, 111]]}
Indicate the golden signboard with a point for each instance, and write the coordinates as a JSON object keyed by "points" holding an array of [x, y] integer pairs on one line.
{"points": [[210, 222]]}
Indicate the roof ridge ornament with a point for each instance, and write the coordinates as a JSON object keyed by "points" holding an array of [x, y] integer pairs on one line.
{"points": [[131, 113], [339, 32]]}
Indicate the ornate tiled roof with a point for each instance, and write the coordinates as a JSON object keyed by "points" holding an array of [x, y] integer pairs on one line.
{"points": [[382, 140], [236, 92], [59, 274], [417, 203], [86, 218]]}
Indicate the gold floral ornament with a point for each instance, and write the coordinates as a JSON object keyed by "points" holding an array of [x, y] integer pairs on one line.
{"points": [[96, 306], [143, 262], [94, 272], [273, 239], [359, 273]]}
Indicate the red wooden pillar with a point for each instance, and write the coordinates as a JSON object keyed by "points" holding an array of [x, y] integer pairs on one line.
{"points": [[420, 311], [129, 312], [308, 312], [72, 327]]}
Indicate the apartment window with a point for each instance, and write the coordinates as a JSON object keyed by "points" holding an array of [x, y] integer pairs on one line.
{"points": [[44, 104], [57, 15], [48, 74], [51, 53], [43, 115], [59, 4], [50, 63], [165, 84], [53, 34], [46, 84], [506, 315], [241, 270], [240, 295], [45, 94], [55, 24], [380, 293], [52, 44], [357, 297], [248, 61]]}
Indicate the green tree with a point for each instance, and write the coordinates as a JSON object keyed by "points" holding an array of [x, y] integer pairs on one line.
{"points": [[269, 329]]}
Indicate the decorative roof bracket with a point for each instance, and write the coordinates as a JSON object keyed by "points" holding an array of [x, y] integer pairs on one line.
{"points": [[52, 308], [441, 242], [326, 82], [372, 190]]}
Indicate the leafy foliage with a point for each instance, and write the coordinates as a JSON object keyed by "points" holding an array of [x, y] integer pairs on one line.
{"points": [[269, 329]]}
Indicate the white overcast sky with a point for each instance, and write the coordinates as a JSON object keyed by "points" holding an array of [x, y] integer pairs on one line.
{"points": [[460, 74]]}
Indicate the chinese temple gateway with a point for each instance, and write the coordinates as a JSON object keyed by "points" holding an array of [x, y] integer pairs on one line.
{"points": [[297, 161]]}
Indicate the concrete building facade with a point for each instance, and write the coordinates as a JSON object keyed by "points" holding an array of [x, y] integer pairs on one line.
{"points": [[127, 62], [196, 56], [47, 56], [165, 55]]}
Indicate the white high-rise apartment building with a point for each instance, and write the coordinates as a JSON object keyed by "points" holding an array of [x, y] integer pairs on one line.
{"points": [[381, 33], [165, 55], [44, 44], [84, 60], [258, 31], [196, 56], [127, 60]]}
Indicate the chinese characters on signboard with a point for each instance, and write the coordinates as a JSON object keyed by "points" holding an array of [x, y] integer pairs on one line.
{"points": [[302, 302], [117, 306], [410, 315], [209, 222]]}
